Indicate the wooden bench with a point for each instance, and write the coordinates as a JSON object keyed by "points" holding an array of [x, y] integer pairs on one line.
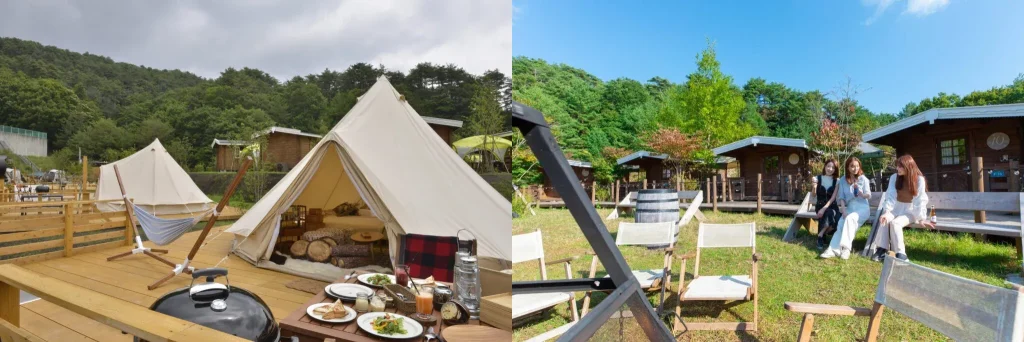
{"points": [[806, 216], [959, 308], [695, 198], [999, 202], [128, 317]]}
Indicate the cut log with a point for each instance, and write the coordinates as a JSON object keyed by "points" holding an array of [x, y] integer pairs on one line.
{"points": [[351, 262], [316, 235], [319, 251], [299, 248], [351, 250], [330, 241]]}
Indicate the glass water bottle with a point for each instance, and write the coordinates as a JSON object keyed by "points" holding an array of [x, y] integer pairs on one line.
{"points": [[467, 286]]}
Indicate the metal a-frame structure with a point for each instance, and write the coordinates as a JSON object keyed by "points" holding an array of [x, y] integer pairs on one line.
{"points": [[626, 289]]}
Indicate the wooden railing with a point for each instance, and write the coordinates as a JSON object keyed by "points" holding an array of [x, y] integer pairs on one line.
{"points": [[36, 231], [117, 313]]}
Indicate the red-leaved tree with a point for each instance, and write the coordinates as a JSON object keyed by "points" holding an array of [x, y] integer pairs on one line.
{"points": [[678, 146]]}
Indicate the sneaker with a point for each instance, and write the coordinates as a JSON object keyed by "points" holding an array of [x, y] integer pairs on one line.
{"points": [[902, 256], [879, 254], [845, 254], [821, 243], [829, 253]]}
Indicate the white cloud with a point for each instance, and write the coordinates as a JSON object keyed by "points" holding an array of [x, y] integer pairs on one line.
{"points": [[925, 7], [920, 8], [283, 38], [880, 7]]}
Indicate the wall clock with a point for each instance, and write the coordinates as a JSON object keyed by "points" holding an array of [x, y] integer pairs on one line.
{"points": [[794, 158]]}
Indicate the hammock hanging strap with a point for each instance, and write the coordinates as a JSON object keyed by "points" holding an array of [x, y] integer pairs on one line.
{"points": [[164, 231]]}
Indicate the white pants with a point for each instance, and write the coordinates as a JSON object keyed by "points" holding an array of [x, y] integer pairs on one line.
{"points": [[890, 236], [848, 224]]}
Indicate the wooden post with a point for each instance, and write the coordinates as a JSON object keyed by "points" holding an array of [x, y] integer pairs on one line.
{"points": [[69, 231], [707, 187], [714, 193], [758, 193], [129, 226], [10, 304], [593, 192], [616, 190], [645, 183], [979, 186], [789, 188], [85, 177]]}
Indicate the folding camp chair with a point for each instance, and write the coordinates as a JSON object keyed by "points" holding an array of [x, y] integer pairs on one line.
{"points": [[720, 287], [959, 308], [655, 235], [529, 247], [428, 255]]}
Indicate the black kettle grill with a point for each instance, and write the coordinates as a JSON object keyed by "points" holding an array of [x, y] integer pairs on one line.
{"points": [[222, 307]]}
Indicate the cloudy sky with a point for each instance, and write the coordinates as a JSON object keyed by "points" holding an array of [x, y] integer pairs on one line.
{"points": [[283, 38]]}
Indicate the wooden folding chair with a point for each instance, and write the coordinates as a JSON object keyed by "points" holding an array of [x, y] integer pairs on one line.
{"points": [[529, 247], [959, 308], [720, 287], [658, 235]]}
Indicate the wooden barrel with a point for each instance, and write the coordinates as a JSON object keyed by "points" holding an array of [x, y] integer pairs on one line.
{"points": [[657, 205]]}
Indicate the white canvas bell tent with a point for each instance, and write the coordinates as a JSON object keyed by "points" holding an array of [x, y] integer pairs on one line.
{"points": [[154, 182], [385, 154]]}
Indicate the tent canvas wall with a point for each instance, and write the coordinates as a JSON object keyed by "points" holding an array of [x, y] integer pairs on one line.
{"points": [[154, 181], [384, 153]]}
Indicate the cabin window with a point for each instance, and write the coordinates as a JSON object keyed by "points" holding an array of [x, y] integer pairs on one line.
{"points": [[666, 174], [953, 152]]}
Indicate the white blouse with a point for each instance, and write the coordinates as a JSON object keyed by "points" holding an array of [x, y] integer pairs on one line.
{"points": [[918, 207]]}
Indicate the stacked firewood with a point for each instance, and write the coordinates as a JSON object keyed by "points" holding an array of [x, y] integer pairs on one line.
{"points": [[331, 245]]}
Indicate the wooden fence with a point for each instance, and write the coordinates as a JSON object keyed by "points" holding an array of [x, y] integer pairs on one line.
{"points": [[35, 231]]}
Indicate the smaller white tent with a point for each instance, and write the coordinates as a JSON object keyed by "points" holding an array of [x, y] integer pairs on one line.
{"points": [[154, 181]]}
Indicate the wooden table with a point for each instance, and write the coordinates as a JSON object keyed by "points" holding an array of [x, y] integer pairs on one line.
{"points": [[299, 324], [371, 240]]}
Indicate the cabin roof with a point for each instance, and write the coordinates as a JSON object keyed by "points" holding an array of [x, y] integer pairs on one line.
{"points": [[929, 116]]}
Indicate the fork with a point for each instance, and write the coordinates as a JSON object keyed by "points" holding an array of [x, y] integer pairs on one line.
{"points": [[349, 276]]}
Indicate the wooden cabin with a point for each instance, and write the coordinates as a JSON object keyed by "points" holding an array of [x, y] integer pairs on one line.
{"points": [[945, 141], [647, 166], [443, 127], [774, 158], [584, 172]]}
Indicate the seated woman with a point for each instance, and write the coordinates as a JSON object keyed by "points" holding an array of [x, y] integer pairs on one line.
{"points": [[825, 200], [905, 203], [854, 192]]}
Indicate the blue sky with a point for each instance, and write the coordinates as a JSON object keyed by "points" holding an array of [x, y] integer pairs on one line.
{"points": [[898, 51]]}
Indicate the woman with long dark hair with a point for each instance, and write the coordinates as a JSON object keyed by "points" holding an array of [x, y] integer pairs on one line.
{"points": [[825, 200], [854, 191], [905, 202]]}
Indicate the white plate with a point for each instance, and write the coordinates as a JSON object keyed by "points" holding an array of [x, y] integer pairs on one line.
{"points": [[365, 279], [412, 327], [348, 317], [347, 291]]}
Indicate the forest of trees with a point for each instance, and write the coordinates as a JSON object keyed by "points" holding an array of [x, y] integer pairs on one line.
{"points": [[110, 109], [599, 121]]}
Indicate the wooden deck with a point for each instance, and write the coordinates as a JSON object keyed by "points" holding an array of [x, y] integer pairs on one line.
{"points": [[779, 208], [127, 279]]}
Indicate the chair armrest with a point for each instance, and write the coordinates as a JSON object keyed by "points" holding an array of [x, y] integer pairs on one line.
{"points": [[825, 309], [757, 257], [559, 261], [690, 255]]}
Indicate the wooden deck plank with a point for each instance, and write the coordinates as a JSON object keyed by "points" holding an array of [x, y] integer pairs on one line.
{"points": [[127, 279], [48, 329], [149, 269], [83, 325]]}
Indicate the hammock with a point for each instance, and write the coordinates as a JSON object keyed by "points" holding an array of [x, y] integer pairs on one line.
{"points": [[164, 231]]}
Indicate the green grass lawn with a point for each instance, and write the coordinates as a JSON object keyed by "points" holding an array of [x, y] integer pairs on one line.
{"points": [[788, 272]]}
